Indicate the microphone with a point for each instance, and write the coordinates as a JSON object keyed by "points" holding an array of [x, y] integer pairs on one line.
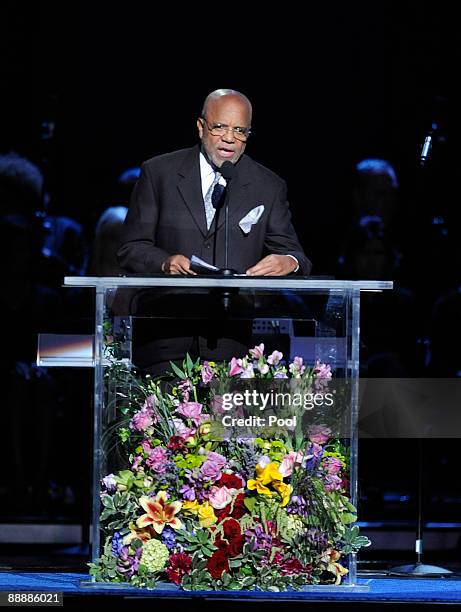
{"points": [[426, 150], [228, 171]]}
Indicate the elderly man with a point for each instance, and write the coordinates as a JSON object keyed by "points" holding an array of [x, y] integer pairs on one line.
{"points": [[173, 207]]}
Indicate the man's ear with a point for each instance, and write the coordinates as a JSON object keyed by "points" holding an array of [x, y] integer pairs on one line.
{"points": [[200, 128]]}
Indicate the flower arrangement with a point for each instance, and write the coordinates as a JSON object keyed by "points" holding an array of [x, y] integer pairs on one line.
{"points": [[270, 512]]}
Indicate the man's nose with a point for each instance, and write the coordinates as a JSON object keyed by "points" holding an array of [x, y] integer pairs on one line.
{"points": [[228, 136]]}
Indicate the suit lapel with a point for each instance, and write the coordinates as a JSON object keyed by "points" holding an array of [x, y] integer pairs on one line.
{"points": [[190, 187]]}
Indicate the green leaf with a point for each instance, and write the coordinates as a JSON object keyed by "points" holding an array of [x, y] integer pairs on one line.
{"points": [[108, 502], [250, 503], [189, 364], [179, 373], [347, 518]]}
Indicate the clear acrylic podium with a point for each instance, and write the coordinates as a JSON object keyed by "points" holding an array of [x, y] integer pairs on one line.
{"points": [[315, 319]]}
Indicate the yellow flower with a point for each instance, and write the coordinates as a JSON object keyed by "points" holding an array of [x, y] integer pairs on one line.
{"points": [[206, 515], [268, 473], [284, 490], [337, 570], [265, 475], [260, 488], [191, 506]]}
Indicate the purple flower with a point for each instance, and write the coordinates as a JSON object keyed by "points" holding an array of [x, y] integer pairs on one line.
{"points": [[157, 459], [332, 482], [187, 492], [297, 505], [117, 544], [207, 373], [212, 468], [314, 454], [275, 358], [169, 537], [185, 388], [128, 564], [248, 372], [296, 367], [258, 538], [110, 483]]}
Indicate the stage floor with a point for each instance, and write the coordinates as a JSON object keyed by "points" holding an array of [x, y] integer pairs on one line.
{"points": [[380, 591]]}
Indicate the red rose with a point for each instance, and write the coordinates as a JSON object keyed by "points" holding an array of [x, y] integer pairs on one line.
{"points": [[217, 564], [231, 481], [239, 507]]}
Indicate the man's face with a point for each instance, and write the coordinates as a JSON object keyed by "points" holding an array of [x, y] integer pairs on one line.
{"points": [[228, 112]]}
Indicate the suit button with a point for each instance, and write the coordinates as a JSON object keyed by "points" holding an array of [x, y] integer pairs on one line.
{"points": [[207, 245]]}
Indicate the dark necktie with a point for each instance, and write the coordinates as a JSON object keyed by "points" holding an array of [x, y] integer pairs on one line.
{"points": [[212, 198]]}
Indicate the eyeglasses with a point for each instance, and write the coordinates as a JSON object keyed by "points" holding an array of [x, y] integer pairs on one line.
{"points": [[219, 129]]}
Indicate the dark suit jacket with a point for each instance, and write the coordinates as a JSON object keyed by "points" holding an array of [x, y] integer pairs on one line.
{"points": [[167, 216]]}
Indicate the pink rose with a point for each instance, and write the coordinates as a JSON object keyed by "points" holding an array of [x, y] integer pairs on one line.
{"points": [[220, 497], [143, 419], [192, 411], [332, 465], [289, 461]]}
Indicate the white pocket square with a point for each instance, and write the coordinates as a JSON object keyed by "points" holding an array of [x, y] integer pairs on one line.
{"points": [[251, 218]]}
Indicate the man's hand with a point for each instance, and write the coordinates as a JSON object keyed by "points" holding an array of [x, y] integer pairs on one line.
{"points": [[273, 265], [177, 264]]}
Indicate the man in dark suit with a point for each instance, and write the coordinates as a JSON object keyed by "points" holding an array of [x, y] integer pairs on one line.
{"points": [[170, 220], [172, 217]]}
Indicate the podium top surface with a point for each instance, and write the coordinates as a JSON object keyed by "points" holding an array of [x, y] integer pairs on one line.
{"points": [[243, 282]]}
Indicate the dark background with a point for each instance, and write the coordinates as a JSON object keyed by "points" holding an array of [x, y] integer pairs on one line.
{"points": [[330, 86]]}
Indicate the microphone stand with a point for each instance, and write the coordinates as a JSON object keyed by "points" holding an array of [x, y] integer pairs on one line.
{"points": [[420, 569], [228, 171]]}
